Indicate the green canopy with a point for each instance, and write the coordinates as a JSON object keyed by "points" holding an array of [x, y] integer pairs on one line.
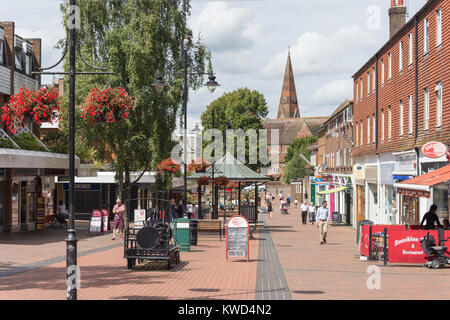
{"points": [[333, 190], [231, 168]]}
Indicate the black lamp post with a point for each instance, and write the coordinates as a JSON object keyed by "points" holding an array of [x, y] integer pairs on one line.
{"points": [[211, 84], [71, 240]]}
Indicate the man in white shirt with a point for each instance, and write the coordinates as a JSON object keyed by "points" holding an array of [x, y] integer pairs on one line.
{"points": [[322, 218], [312, 213], [304, 208]]}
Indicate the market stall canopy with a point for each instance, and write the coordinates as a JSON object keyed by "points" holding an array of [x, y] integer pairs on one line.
{"points": [[420, 186], [231, 168], [20, 159], [333, 190]]}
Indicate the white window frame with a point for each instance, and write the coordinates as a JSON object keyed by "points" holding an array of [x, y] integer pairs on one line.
{"points": [[400, 56], [426, 36], [410, 115], [362, 89], [426, 102], [438, 27], [382, 125], [389, 122], [362, 133], [368, 83], [357, 135], [357, 91], [438, 91], [411, 52], [374, 128], [374, 80], [382, 71], [368, 130], [390, 66], [401, 118]]}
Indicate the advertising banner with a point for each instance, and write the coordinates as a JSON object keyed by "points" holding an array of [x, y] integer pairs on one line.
{"points": [[405, 246]]}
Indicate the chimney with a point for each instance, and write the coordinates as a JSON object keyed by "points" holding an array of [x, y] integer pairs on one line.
{"points": [[397, 16]]}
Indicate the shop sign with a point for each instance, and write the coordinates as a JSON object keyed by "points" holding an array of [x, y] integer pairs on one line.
{"points": [[405, 246], [406, 162], [434, 150], [54, 172], [26, 172], [84, 186], [359, 171], [139, 218], [414, 193]]}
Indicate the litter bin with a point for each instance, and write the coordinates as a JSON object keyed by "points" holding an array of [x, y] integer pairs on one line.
{"points": [[182, 234], [358, 229], [193, 231]]}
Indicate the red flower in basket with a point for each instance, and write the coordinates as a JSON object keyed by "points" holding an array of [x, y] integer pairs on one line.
{"points": [[109, 105], [168, 166], [198, 165], [221, 182], [28, 105], [203, 181]]}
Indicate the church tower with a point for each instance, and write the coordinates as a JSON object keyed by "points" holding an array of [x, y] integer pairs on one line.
{"points": [[288, 102]]}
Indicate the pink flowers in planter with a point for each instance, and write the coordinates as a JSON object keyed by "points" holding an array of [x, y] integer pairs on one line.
{"points": [[28, 105], [109, 105]]}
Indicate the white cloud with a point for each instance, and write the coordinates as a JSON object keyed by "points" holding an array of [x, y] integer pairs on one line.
{"points": [[224, 28], [334, 92], [315, 53]]}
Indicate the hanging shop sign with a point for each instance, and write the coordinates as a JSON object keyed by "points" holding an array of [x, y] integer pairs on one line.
{"points": [[139, 218], [434, 149], [359, 171]]}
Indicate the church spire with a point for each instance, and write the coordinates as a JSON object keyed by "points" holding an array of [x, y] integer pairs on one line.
{"points": [[288, 102]]}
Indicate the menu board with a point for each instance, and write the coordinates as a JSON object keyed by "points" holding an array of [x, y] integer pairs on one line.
{"points": [[237, 237], [95, 225], [40, 215]]}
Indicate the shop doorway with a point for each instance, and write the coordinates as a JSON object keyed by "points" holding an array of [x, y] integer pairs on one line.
{"points": [[360, 203], [409, 210]]}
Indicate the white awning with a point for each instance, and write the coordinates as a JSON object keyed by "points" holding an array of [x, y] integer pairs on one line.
{"points": [[19, 159]]}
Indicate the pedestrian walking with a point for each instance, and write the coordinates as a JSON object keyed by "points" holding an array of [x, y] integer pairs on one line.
{"points": [[322, 218], [288, 201], [61, 213], [304, 208], [119, 211], [312, 213], [173, 209], [296, 203], [189, 209], [269, 208]]}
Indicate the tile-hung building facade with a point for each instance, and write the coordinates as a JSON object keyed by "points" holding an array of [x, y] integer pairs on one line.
{"points": [[400, 105], [338, 170]]}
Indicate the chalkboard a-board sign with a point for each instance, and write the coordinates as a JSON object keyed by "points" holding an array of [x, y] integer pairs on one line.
{"points": [[237, 237], [95, 225]]}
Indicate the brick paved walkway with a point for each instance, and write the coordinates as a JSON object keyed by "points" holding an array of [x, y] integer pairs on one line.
{"points": [[334, 271], [202, 274], [288, 259]]}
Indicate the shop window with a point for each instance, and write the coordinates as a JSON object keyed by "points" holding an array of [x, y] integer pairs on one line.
{"points": [[440, 198]]}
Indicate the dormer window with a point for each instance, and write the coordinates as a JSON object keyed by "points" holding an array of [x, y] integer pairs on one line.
{"points": [[18, 58]]}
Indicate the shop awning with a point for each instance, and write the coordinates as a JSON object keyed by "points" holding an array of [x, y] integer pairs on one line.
{"points": [[24, 159], [420, 186], [333, 190]]}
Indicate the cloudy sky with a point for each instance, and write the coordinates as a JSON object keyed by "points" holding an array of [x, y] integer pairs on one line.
{"points": [[249, 40]]}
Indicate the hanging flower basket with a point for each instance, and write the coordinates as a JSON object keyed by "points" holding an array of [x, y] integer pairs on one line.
{"points": [[221, 182], [198, 166], [203, 181], [28, 105], [109, 105], [169, 167], [232, 185]]}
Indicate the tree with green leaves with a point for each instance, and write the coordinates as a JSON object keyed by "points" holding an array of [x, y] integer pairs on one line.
{"points": [[137, 41], [242, 108], [296, 167]]}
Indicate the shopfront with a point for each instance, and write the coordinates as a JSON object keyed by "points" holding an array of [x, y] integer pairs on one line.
{"points": [[429, 188], [388, 206], [359, 171], [372, 209], [27, 188]]}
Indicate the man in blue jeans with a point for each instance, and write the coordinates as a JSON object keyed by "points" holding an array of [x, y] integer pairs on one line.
{"points": [[322, 218]]}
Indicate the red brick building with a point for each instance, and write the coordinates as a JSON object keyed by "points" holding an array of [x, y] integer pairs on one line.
{"points": [[400, 105]]}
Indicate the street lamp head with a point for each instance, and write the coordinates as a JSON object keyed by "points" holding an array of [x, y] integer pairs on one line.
{"points": [[159, 84], [186, 42], [212, 84]]}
